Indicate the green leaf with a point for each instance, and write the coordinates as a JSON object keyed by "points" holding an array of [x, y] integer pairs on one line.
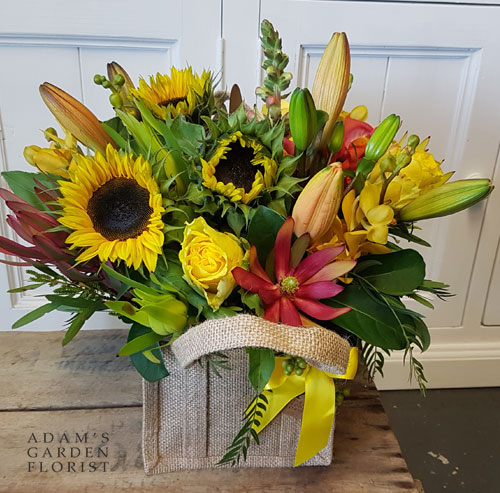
{"points": [[236, 221], [140, 344], [150, 371], [371, 320], [22, 183], [127, 280], [263, 229], [34, 315], [68, 303], [119, 140], [398, 273], [261, 366], [76, 324], [402, 231]]}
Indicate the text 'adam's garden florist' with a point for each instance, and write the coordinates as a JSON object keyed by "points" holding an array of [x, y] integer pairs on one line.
{"points": [[68, 452]]}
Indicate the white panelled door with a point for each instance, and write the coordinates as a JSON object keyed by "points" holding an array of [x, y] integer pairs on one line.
{"points": [[437, 66], [66, 43]]}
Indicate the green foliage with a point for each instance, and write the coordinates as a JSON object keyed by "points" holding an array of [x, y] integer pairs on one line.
{"points": [[79, 298], [241, 442], [216, 361], [262, 231], [149, 370], [370, 318], [402, 230], [22, 183], [374, 359], [261, 366], [398, 273]]}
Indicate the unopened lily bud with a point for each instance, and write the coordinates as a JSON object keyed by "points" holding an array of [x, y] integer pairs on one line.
{"points": [[119, 76], [382, 138], [331, 82], [337, 138], [413, 141], [388, 163], [75, 118], [317, 205], [446, 199], [302, 118], [403, 159]]}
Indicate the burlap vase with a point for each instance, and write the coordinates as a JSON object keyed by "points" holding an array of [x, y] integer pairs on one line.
{"points": [[191, 416]]}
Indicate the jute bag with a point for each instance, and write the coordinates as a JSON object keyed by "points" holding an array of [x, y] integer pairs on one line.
{"points": [[191, 416]]}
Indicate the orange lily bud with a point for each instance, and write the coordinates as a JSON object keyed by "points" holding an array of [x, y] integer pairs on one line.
{"points": [[318, 204], [332, 81], [75, 118]]}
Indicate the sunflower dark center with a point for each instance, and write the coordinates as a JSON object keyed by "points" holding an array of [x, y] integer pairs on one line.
{"points": [[172, 101], [237, 167], [120, 209]]}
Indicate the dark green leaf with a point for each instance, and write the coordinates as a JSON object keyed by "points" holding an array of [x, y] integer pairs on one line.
{"points": [[402, 231], [150, 371], [263, 229], [398, 273], [68, 303], [261, 366], [76, 324], [370, 320]]}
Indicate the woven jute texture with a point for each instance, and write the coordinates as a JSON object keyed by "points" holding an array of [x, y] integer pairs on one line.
{"points": [[191, 416]]}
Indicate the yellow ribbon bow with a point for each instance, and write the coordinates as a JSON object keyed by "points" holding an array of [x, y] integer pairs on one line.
{"points": [[319, 403]]}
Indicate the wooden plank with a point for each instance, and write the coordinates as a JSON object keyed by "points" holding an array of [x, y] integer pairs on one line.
{"points": [[367, 456], [38, 373], [86, 404]]}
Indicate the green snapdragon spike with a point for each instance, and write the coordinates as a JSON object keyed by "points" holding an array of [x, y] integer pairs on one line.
{"points": [[274, 63]]}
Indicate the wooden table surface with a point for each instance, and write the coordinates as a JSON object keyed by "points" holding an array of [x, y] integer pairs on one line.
{"points": [[84, 404]]}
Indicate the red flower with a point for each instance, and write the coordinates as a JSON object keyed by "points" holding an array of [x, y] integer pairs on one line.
{"points": [[298, 286], [356, 136]]}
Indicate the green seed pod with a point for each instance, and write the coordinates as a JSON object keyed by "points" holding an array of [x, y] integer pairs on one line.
{"points": [[382, 138], [337, 138], [288, 369], [98, 79], [299, 371], [446, 199], [119, 80], [303, 119], [116, 100], [413, 141], [106, 84]]}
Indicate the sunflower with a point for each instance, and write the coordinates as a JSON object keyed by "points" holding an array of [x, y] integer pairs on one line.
{"points": [[177, 92], [238, 168], [114, 207]]}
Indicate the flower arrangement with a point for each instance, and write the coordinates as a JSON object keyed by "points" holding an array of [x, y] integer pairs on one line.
{"points": [[191, 206]]}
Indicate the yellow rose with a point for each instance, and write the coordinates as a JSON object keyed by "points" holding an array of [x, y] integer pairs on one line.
{"points": [[208, 257]]}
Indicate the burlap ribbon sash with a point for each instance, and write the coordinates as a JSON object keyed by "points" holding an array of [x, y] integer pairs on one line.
{"points": [[319, 347]]}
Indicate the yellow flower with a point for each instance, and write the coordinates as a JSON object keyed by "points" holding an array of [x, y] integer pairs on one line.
{"points": [[421, 175], [114, 207], [177, 92], [238, 169], [208, 257], [57, 158], [375, 218]]}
